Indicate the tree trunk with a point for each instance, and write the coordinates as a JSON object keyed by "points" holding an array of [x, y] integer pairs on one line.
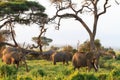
{"points": [[92, 45], [40, 47]]}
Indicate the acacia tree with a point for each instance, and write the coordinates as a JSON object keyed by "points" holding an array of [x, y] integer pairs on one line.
{"points": [[95, 8], [20, 12], [43, 41]]}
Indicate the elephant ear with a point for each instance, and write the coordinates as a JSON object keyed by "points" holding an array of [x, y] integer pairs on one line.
{"points": [[89, 55]]}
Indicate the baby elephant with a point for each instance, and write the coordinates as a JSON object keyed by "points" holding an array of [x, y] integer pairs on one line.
{"points": [[59, 57]]}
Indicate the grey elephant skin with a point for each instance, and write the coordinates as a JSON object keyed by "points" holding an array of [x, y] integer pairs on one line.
{"points": [[60, 57], [82, 59]]}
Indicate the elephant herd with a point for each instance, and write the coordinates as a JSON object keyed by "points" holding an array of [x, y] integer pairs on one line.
{"points": [[79, 59]]}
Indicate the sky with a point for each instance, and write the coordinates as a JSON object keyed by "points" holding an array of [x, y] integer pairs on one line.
{"points": [[71, 31]]}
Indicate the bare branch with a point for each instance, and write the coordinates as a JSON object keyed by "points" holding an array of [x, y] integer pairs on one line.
{"points": [[6, 22], [8, 44], [33, 46], [13, 37], [77, 18], [4, 18], [105, 8], [117, 2], [58, 27]]}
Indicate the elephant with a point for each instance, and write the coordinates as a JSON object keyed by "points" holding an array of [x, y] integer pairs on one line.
{"points": [[46, 55], [60, 57], [12, 55], [82, 59]]}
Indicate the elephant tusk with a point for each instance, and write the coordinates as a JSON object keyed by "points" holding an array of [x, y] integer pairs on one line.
{"points": [[95, 66]]}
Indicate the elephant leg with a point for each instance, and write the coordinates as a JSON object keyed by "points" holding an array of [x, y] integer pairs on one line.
{"points": [[67, 63], [54, 63]]}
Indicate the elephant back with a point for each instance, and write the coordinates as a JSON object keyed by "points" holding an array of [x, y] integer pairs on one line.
{"points": [[60, 56]]}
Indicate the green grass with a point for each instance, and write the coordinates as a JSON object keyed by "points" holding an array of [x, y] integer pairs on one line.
{"points": [[45, 70]]}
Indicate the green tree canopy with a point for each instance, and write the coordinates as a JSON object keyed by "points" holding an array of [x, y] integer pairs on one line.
{"points": [[22, 12], [44, 40]]}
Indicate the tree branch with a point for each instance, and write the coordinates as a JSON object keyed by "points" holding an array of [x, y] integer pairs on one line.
{"points": [[13, 37], [105, 8], [9, 44], [77, 18]]}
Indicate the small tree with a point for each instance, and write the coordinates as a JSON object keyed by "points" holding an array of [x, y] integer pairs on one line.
{"points": [[44, 41]]}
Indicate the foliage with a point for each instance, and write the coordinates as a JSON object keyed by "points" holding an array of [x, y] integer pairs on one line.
{"points": [[38, 72], [44, 40], [85, 47], [6, 71], [21, 12], [110, 51], [116, 73], [54, 48], [13, 11], [68, 48], [45, 70], [13, 7], [118, 57]]}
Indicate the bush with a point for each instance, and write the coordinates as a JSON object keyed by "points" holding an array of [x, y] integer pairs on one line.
{"points": [[6, 70], [116, 74], [75, 76], [90, 77], [38, 72], [26, 78], [118, 57], [82, 76], [102, 76]]}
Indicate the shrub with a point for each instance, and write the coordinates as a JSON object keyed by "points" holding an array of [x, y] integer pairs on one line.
{"points": [[102, 76], [118, 57], [116, 74], [90, 77], [6, 70], [38, 72], [82, 76], [26, 78], [76, 76]]}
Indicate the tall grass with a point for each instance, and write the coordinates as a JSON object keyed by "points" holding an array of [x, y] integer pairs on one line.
{"points": [[45, 70]]}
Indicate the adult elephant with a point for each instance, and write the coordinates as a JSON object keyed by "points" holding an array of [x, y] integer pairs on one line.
{"points": [[12, 55], [60, 57], [46, 55], [82, 59]]}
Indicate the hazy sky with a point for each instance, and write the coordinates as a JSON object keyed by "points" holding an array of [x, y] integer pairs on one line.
{"points": [[71, 31]]}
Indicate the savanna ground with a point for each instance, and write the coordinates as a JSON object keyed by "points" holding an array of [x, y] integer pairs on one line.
{"points": [[45, 70]]}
